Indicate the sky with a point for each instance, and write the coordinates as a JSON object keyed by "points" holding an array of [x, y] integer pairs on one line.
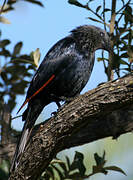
{"points": [[41, 28]]}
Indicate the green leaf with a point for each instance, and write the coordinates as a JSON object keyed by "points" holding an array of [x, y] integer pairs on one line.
{"points": [[18, 88], [92, 19], [1, 85], [17, 69], [58, 171], [5, 53], [100, 160], [78, 156], [128, 14], [122, 30], [125, 37], [4, 20], [106, 10], [17, 48], [3, 175], [78, 163], [35, 2], [123, 62], [49, 173], [4, 76], [124, 48], [25, 56], [115, 168], [5, 166], [76, 3], [63, 166], [24, 59], [127, 69], [29, 62], [11, 103], [68, 162], [98, 8], [123, 2], [101, 59], [11, 69], [36, 56], [59, 162], [31, 67], [4, 43], [124, 55]]}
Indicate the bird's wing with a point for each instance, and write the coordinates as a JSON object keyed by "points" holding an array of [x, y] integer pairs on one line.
{"points": [[46, 73], [61, 47]]}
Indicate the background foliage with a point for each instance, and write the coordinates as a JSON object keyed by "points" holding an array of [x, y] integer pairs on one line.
{"points": [[16, 70]]}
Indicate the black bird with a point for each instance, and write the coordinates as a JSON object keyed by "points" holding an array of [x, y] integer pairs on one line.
{"points": [[62, 74]]}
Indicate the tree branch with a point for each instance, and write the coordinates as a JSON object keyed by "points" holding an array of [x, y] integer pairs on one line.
{"points": [[112, 26], [7, 145], [102, 112]]}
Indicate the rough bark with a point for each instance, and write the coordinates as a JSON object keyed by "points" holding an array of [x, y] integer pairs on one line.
{"points": [[7, 142], [102, 112]]}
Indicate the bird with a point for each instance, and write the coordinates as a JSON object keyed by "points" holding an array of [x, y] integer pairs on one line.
{"points": [[63, 73]]}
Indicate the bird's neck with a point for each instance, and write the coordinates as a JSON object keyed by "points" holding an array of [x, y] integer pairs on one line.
{"points": [[85, 51]]}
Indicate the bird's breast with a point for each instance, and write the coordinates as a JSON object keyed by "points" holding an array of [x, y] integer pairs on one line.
{"points": [[74, 78]]}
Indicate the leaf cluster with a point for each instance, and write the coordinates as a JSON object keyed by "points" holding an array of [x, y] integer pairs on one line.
{"points": [[15, 71], [76, 169], [70, 169]]}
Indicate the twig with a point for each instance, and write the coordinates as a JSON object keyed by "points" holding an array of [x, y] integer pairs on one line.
{"points": [[104, 15], [112, 24], [16, 117], [2, 7], [96, 14], [123, 7]]}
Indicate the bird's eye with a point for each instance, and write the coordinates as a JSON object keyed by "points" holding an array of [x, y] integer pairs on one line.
{"points": [[102, 34]]}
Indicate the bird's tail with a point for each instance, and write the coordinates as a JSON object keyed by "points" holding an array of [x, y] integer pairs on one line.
{"points": [[30, 117], [26, 131]]}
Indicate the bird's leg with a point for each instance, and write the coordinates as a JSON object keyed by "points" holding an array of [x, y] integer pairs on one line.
{"points": [[62, 98], [58, 104], [59, 107], [67, 100]]}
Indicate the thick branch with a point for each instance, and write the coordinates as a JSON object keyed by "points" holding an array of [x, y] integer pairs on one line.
{"points": [[7, 141], [97, 114]]}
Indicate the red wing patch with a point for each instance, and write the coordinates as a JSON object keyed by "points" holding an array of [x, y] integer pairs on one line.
{"points": [[28, 99]]}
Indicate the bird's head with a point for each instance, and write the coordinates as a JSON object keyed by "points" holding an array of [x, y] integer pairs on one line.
{"points": [[91, 38]]}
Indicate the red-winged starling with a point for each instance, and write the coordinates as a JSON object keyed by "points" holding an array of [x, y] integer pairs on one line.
{"points": [[64, 72]]}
